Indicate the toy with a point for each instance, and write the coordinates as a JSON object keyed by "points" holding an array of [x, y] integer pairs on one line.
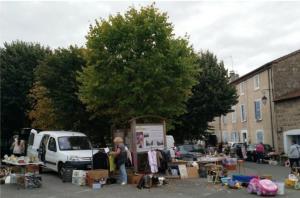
{"points": [[262, 187]]}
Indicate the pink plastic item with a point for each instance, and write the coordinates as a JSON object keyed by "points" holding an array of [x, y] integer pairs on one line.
{"points": [[262, 187]]}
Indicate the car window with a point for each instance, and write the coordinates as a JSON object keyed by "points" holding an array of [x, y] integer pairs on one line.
{"points": [[74, 143], [188, 148], [44, 141], [52, 144]]}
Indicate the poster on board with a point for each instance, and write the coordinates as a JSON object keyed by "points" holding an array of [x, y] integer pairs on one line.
{"points": [[149, 137]]}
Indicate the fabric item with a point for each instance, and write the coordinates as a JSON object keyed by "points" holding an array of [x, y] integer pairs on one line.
{"points": [[260, 148], [123, 174], [244, 152], [294, 151], [152, 161], [112, 164], [129, 156], [100, 160], [159, 157], [17, 148]]}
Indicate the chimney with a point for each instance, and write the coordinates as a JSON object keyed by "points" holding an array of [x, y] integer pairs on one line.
{"points": [[233, 76]]}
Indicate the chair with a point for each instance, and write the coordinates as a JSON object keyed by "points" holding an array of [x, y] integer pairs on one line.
{"points": [[241, 166]]}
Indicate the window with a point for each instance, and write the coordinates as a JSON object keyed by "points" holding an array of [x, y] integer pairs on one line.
{"points": [[224, 119], [74, 143], [257, 110], [233, 114], [52, 144], [243, 113], [225, 136], [242, 88], [256, 82], [31, 139], [259, 136], [234, 137]]}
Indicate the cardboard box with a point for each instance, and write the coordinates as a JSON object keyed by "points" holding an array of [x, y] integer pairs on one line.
{"points": [[134, 179], [32, 169], [79, 181], [79, 173], [94, 176], [97, 174], [192, 172]]}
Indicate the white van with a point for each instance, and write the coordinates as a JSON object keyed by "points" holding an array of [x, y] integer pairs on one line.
{"points": [[58, 149], [170, 141]]}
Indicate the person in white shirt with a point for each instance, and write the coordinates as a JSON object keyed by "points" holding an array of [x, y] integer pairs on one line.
{"points": [[294, 154]]}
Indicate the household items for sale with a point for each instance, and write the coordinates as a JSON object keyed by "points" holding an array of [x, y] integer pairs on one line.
{"points": [[67, 174], [148, 181], [280, 186], [96, 175], [243, 178], [134, 178], [224, 180], [79, 177], [297, 185], [289, 183], [33, 181], [100, 160], [262, 187], [233, 184], [192, 172]]}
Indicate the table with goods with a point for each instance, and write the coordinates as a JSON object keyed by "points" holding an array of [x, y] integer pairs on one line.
{"points": [[23, 171]]}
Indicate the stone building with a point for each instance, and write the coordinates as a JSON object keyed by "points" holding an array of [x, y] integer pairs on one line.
{"points": [[268, 108]]}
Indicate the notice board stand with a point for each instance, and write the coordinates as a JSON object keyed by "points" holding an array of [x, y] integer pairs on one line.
{"points": [[153, 136]]}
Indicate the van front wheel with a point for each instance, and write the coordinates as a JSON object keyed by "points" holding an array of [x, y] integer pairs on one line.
{"points": [[61, 170]]}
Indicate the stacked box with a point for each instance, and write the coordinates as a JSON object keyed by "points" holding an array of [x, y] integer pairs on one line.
{"points": [[79, 177], [95, 176]]}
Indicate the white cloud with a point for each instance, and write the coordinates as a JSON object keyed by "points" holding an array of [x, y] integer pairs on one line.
{"points": [[243, 34]]}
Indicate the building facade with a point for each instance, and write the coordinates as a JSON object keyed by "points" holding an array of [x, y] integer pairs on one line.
{"points": [[268, 108]]}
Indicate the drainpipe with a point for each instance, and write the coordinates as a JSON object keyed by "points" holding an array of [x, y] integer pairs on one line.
{"points": [[271, 110]]}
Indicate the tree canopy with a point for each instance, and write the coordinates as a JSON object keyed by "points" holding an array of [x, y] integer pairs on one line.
{"points": [[18, 61], [212, 96], [136, 66]]}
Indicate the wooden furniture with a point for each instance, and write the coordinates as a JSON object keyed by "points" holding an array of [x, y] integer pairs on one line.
{"points": [[241, 166]]}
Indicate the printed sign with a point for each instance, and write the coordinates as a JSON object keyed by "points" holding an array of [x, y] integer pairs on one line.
{"points": [[149, 137]]}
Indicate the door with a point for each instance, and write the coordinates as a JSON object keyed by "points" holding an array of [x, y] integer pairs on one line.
{"points": [[244, 135], [42, 147], [51, 155]]}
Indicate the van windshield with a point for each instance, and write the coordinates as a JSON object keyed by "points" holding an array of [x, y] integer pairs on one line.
{"points": [[74, 143]]}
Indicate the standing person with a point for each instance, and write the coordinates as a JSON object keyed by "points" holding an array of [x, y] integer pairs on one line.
{"points": [[121, 158], [244, 150], [220, 147], [260, 150], [294, 154], [16, 146]]}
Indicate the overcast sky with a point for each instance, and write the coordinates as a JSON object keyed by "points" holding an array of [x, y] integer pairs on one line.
{"points": [[243, 34]]}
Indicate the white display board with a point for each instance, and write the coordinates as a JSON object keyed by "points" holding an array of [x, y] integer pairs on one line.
{"points": [[149, 136]]}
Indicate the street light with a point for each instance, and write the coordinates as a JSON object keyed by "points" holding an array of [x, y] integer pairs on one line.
{"points": [[264, 99]]}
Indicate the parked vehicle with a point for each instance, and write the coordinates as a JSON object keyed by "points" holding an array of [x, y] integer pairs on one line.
{"points": [[251, 152], [59, 149], [189, 152], [235, 148]]}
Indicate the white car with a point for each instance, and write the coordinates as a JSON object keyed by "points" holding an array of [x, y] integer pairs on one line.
{"points": [[59, 149]]}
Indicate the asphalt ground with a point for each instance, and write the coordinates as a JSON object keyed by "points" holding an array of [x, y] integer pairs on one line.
{"points": [[188, 188]]}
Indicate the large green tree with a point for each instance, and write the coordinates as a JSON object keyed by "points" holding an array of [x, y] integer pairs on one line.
{"points": [[212, 96], [55, 93], [136, 66], [18, 60]]}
